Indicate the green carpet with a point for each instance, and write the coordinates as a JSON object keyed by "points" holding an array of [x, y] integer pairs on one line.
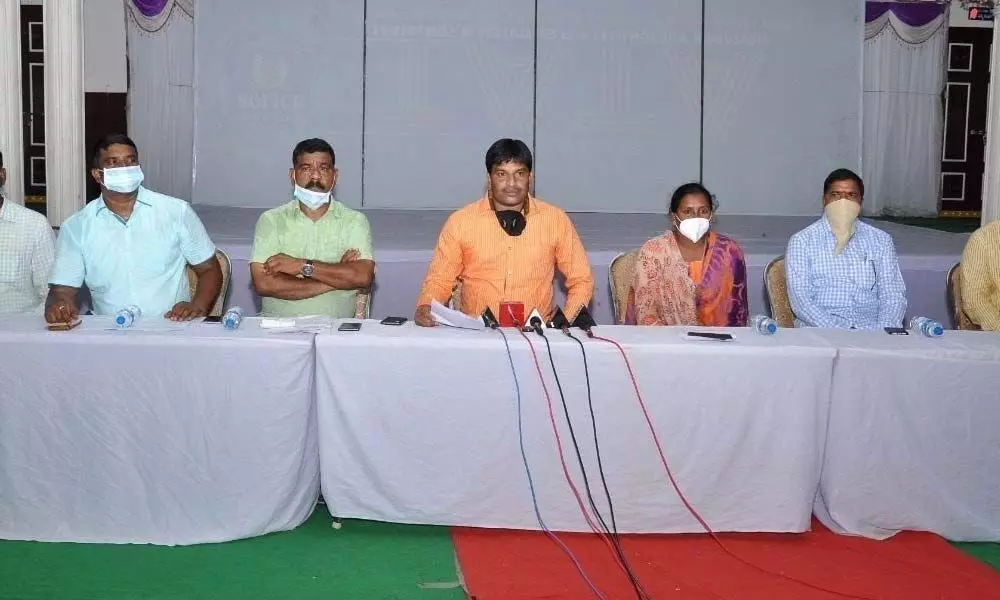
{"points": [[952, 225], [363, 560], [988, 553]]}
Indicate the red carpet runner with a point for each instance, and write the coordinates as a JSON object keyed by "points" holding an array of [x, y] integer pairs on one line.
{"points": [[517, 565]]}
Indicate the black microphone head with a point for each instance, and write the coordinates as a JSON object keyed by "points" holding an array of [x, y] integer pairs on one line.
{"points": [[535, 321], [490, 319], [559, 320], [583, 320]]}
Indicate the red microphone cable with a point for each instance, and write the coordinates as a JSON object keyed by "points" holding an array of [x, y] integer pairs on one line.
{"points": [[680, 494]]}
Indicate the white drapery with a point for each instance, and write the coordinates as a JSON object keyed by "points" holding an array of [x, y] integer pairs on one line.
{"points": [[161, 96], [904, 75]]}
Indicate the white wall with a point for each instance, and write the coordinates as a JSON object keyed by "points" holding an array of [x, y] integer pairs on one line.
{"points": [[960, 17], [104, 46]]}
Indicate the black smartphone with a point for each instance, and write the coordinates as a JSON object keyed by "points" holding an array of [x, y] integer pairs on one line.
{"points": [[393, 321], [349, 327], [212, 319], [722, 337], [896, 331]]}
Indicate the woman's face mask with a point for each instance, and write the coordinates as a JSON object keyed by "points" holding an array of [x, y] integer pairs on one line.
{"points": [[694, 228]]}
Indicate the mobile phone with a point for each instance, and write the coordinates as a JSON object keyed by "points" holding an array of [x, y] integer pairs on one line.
{"points": [[393, 321], [722, 337], [349, 327], [212, 319], [896, 331]]}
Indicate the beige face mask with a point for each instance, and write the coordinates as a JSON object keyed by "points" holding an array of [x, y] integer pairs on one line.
{"points": [[843, 217]]}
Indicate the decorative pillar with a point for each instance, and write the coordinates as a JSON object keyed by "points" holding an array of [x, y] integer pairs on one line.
{"points": [[11, 117], [65, 155], [991, 177]]}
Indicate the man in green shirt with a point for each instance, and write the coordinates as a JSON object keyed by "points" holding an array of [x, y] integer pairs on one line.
{"points": [[311, 255]]}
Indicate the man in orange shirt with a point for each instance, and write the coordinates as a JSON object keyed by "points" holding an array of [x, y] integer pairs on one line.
{"points": [[506, 247]]}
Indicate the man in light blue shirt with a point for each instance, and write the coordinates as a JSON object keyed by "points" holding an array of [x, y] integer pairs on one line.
{"points": [[843, 273], [131, 247]]}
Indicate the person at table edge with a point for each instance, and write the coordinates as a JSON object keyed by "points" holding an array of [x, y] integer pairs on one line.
{"points": [[311, 254], [131, 246], [506, 246], [981, 277], [27, 251], [842, 272]]}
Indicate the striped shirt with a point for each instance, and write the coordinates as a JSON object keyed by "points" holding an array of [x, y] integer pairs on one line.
{"points": [[495, 267], [27, 251], [981, 277], [860, 288]]}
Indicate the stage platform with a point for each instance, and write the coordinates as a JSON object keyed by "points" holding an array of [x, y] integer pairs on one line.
{"points": [[404, 241]]}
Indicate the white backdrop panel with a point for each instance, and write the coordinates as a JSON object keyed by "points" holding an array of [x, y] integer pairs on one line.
{"points": [[782, 101], [443, 82], [267, 77], [618, 102]]}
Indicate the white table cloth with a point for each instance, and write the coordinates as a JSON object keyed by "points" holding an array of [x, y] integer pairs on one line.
{"points": [[165, 437], [914, 439], [421, 426]]}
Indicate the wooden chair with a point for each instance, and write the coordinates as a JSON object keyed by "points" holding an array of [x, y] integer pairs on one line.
{"points": [[219, 306], [962, 320], [363, 304], [776, 291], [620, 275]]}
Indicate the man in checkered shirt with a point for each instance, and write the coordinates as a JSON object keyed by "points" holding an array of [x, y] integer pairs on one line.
{"points": [[842, 272], [27, 251]]}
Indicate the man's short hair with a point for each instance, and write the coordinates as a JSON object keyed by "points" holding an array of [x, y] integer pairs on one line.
{"points": [[311, 146], [843, 175], [508, 150], [106, 142]]}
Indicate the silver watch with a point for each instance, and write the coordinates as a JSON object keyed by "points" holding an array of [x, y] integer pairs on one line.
{"points": [[307, 269]]}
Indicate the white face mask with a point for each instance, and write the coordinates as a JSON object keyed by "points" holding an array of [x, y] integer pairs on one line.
{"points": [[123, 180], [843, 217], [311, 199], [694, 228]]}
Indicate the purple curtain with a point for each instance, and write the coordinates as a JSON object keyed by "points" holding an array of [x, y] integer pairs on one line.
{"points": [[914, 14], [150, 8]]}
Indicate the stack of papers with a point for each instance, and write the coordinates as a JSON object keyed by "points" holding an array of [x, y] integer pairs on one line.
{"points": [[452, 318]]}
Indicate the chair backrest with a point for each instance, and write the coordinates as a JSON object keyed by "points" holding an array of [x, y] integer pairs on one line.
{"points": [[456, 296], [962, 320], [776, 290], [620, 274], [227, 271], [363, 304]]}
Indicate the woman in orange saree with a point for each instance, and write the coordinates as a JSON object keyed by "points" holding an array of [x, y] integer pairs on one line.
{"points": [[689, 275]]}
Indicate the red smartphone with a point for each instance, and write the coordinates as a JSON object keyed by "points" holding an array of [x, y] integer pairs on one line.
{"points": [[511, 314]]}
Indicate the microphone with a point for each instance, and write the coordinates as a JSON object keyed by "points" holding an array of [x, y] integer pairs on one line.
{"points": [[490, 319], [559, 320], [584, 321], [535, 322]]}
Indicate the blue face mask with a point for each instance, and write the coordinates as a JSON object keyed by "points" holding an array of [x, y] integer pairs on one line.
{"points": [[123, 180], [311, 199]]}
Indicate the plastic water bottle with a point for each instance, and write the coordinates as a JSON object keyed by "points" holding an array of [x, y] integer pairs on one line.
{"points": [[928, 327], [233, 317], [764, 325], [127, 316]]}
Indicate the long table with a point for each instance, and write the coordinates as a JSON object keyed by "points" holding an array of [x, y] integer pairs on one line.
{"points": [[167, 436], [174, 435], [421, 426], [914, 438]]}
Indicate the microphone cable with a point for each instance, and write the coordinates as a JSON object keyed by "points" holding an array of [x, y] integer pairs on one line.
{"points": [[562, 459], [640, 592], [531, 483], [680, 494]]}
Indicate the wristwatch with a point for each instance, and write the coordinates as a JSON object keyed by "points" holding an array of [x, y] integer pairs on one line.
{"points": [[307, 269]]}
